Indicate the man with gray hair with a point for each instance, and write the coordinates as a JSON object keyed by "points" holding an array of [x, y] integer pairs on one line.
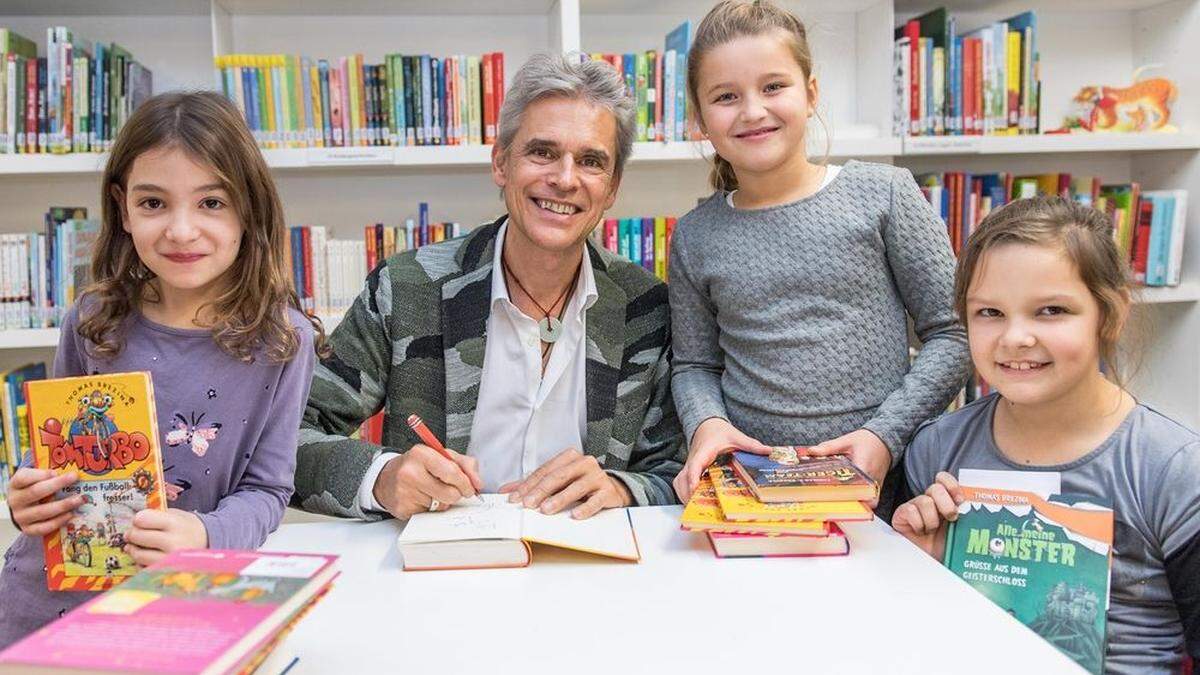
{"points": [[540, 360]]}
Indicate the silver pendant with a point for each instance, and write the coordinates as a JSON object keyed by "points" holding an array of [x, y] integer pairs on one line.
{"points": [[550, 329]]}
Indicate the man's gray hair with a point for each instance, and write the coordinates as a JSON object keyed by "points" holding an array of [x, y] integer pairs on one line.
{"points": [[569, 76]]}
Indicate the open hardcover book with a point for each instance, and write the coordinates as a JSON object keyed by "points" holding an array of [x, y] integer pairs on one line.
{"points": [[498, 534]]}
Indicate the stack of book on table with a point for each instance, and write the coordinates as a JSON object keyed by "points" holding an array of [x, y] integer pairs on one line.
{"points": [[195, 611], [783, 504]]}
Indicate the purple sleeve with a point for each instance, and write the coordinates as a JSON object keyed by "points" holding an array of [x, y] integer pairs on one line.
{"points": [[244, 517], [68, 358]]}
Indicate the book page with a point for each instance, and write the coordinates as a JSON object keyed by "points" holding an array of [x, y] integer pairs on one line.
{"points": [[1041, 483], [495, 519], [607, 533]]}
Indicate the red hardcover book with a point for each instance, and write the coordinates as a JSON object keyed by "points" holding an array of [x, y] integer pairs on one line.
{"points": [[31, 104], [67, 130], [1141, 240], [740, 545], [980, 113], [372, 254], [498, 85], [335, 106], [912, 30], [610, 234], [489, 101], [968, 85], [307, 265]]}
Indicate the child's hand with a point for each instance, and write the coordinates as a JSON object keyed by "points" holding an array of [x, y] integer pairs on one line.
{"points": [[25, 494], [923, 519], [715, 436], [156, 533], [864, 449]]}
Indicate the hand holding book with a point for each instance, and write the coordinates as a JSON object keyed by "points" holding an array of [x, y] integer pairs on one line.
{"points": [[923, 519], [863, 448], [156, 533], [26, 500], [714, 437]]}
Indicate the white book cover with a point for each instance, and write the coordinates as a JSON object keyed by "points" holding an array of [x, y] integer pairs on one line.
{"points": [[669, 67]]}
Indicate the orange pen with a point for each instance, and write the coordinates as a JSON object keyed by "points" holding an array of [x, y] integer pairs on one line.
{"points": [[418, 425]]}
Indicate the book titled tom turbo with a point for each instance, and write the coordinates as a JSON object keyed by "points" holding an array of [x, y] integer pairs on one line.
{"points": [[788, 475], [103, 428]]}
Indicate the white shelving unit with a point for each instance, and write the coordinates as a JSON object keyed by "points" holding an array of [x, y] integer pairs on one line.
{"points": [[1081, 42]]}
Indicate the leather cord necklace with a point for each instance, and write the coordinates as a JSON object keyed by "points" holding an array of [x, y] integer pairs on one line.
{"points": [[550, 328]]}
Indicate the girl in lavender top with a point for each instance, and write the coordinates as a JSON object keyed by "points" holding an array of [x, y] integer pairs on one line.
{"points": [[191, 285]]}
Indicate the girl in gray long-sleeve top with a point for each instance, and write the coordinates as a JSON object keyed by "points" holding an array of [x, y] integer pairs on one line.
{"points": [[1045, 293], [792, 286], [190, 286]]}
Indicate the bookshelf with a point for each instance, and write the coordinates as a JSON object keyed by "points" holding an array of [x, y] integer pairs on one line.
{"points": [[1081, 41]]}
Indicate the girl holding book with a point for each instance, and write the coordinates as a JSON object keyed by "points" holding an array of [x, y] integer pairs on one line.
{"points": [[1044, 295], [190, 284], [792, 286]]}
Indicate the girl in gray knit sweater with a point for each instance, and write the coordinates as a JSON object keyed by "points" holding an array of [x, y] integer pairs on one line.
{"points": [[792, 286]]}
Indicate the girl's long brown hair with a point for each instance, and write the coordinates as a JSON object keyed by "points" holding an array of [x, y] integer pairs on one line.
{"points": [[250, 317]]}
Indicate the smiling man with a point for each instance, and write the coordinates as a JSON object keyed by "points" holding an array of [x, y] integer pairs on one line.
{"points": [[540, 361]]}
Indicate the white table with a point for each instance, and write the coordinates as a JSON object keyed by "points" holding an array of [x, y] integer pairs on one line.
{"points": [[887, 608]]}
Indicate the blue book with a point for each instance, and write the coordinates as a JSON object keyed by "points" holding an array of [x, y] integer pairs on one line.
{"points": [[680, 39], [253, 104], [956, 87], [635, 240], [648, 244], [95, 134], [396, 70], [623, 247], [423, 223], [1160, 238], [326, 123], [427, 99], [280, 134], [310, 125], [629, 74], [435, 88]]}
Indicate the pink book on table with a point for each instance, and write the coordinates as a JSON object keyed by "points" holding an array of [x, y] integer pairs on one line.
{"points": [[200, 611]]}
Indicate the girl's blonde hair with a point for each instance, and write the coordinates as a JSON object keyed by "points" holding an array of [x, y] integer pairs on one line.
{"points": [[729, 20], [250, 316], [1083, 234]]}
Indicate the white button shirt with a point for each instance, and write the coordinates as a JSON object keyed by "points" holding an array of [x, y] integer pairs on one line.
{"points": [[523, 418]]}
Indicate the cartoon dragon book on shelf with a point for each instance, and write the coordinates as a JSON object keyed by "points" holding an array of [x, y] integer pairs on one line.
{"points": [[104, 428]]}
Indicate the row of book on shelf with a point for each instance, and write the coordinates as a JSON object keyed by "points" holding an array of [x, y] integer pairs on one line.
{"points": [[291, 101], [1149, 226], [226, 610], [40, 272], [73, 99], [657, 83], [985, 81]]}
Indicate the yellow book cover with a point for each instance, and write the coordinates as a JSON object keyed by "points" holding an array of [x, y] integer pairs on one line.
{"points": [[104, 428], [703, 514], [738, 503], [314, 82], [660, 247], [362, 100], [389, 242], [272, 125], [352, 94], [1013, 103]]}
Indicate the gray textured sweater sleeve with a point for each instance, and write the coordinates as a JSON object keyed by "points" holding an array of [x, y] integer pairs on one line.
{"points": [[918, 251], [698, 360]]}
